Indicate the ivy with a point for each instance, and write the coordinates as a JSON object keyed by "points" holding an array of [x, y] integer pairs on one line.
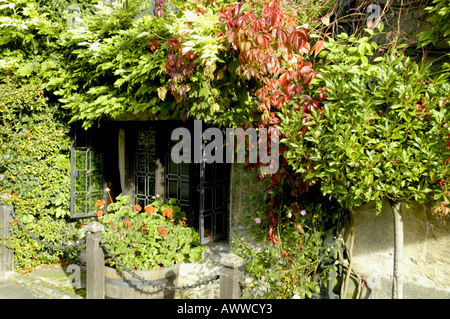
{"points": [[34, 171]]}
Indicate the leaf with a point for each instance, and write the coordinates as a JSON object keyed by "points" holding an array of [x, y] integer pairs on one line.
{"points": [[326, 19], [162, 91], [284, 79], [317, 47]]}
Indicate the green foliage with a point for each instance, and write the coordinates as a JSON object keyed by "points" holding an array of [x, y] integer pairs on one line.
{"points": [[116, 63], [439, 16], [290, 267], [149, 238], [29, 253], [34, 170], [34, 151], [286, 260], [381, 133], [29, 32]]}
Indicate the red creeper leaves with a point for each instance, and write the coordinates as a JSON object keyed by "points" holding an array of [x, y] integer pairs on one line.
{"points": [[259, 35]]}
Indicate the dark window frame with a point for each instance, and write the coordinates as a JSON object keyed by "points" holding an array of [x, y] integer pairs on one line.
{"points": [[199, 186]]}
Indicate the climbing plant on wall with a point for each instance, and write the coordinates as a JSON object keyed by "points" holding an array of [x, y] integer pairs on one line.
{"points": [[355, 127], [34, 172]]}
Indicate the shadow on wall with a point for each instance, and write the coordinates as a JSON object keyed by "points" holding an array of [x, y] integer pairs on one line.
{"points": [[425, 256]]}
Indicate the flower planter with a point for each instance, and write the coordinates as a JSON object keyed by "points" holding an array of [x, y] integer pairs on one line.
{"points": [[122, 285]]}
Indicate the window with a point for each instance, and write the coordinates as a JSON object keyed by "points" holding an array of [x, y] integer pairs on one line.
{"points": [[144, 173], [87, 183], [134, 158]]}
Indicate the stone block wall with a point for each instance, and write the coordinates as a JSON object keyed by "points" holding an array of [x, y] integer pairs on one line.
{"points": [[242, 185], [426, 254]]}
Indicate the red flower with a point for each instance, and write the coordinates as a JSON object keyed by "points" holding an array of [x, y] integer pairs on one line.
{"points": [[162, 231], [100, 203], [208, 233], [127, 223], [149, 210], [137, 208], [167, 213]]}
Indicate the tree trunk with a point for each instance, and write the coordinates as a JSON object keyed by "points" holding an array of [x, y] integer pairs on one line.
{"points": [[397, 282], [344, 286]]}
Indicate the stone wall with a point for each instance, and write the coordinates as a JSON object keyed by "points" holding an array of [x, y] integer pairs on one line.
{"points": [[426, 255], [208, 267], [244, 185]]}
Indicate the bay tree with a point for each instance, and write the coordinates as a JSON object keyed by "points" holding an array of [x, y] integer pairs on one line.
{"points": [[381, 134]]}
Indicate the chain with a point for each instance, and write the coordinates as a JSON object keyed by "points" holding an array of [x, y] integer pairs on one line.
{"points": [[125, 268], [83, 241], [152, 282]]}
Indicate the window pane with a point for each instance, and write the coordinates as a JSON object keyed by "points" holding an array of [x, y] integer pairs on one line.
{"points": [[80, 160], [87, 180], [150, 187], [220, 223], [81, 183], [96, 182], [173, 168], [80, 205], [140, 185], [92, 208], [151, 164], [207, 199], [173, 189], [184, 169], [208, 227], [141, 201], [96, 160], [208, 175], [145, 166], [219, 197], [184, 190], [141, 162], [146, 139]]}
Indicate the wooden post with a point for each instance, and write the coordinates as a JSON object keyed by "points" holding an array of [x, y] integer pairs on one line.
{"points": [[230, 276], [6, 255], [95, 262]]}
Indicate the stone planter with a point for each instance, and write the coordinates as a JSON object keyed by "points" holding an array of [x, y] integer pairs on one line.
{"points": [[122, 285]]}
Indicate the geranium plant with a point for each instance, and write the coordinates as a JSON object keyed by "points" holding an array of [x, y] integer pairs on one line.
{"points": [[151, 237]]}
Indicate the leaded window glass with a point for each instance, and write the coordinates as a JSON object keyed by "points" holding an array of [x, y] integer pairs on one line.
{"points": [[145, 159], [177, 182], [213, 201], [87, 183]]}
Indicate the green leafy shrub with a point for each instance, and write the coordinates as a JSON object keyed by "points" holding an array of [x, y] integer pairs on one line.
{"points": [[380, 134], [438, 15], [289, 264], [29, 32], [35, 171], [149, 238]]}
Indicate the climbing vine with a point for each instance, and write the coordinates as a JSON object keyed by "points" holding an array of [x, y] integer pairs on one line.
{"points": [[344, 117]]}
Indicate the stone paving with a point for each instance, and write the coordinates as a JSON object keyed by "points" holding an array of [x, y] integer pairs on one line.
{"points": [[40, 284]]}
